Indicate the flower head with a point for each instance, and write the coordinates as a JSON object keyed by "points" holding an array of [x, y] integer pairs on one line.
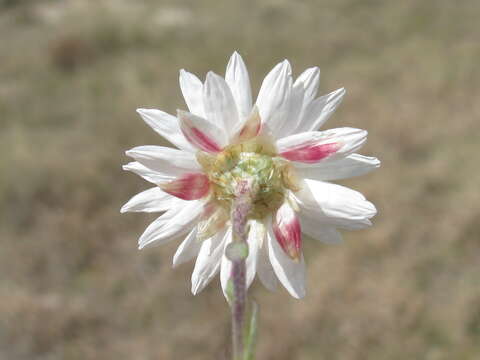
{"points": [[223, 140]]}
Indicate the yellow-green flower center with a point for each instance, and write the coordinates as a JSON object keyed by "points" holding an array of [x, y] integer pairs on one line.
{"points": [[254, 160]]}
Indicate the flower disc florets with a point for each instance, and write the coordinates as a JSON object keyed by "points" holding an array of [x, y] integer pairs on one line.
{"points": [[256, 161]]}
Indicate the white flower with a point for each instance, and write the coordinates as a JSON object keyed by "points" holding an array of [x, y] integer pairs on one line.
{"points": [[225, 138]]}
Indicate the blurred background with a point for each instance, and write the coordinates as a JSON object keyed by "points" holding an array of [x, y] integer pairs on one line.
{"points": [[72, 73]]}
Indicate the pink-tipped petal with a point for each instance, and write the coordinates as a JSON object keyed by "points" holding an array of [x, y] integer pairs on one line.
{"points": [[204, 141], [192, 128], [310, 152], [313, 146], [251, 128], [286, 228], [167, 126], [190, 186]]}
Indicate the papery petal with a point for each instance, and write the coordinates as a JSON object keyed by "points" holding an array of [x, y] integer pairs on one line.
{"points": [[291, 273], [153, 176], [174, 223], [334, 204], [286, 228], [256, 236], [309, 80], [264, 268], [208, 260], [319, 110], [273, 99], [250, 128], [165, 159], [190, 186], [220, 107], [324, 233], [213, 221], [294, 111], [192, 90], [188, 249], [225, 270], [311, 147], [310, 152], [167, 126], [237, 78], [191, 245], [336, 169], [151, 200], [200, 133]]}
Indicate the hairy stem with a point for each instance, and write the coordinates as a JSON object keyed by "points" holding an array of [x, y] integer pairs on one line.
{"points": [[237, 253]]}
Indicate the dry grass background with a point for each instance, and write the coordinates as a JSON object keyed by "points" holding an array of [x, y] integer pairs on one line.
{"points": [[73, 285]]}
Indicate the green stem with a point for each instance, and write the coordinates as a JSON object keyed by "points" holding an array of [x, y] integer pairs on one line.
{"points": [[251, 333], [237, 252]]}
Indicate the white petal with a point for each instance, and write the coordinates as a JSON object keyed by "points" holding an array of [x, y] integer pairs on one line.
{"points": [[256, 237], [294, 111], [155, 177], [192, 90], [208, 260], [290, 273], [172, 224], [249, 128], [225, 269], [334, 205], [273, 99], [152, 200], [319, 110], [167, 126], [165, 159], [336, 169], [264, 267], [287, 230], [237, 78], [202, 134], [190, 186], [310, 80], [188, 249], [323, 233], [342, 141], [220, 107]]}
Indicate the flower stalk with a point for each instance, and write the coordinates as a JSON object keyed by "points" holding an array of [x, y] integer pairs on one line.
{"points": [[266, 167], [237, 253]]}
